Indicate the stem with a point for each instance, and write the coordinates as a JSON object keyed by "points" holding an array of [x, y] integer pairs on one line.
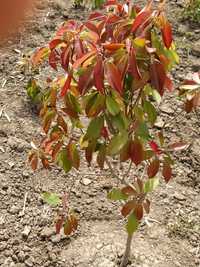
{"points": [[127, 251]]}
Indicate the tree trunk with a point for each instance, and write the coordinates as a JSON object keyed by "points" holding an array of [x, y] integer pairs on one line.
{"points": [[127, 251]]}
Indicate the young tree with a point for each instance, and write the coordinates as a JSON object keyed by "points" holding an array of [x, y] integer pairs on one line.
{"points": [[115, 71]]}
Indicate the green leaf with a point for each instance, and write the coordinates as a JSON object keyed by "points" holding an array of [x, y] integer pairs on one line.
{"points": [[151, 112], [63, 160], [34, 91], [51, 198], [116, 194], [143, 131], [151, 184], [112, 106], [156, 96], [94, 128], [132, 224], [117, 143], [120, 122]]}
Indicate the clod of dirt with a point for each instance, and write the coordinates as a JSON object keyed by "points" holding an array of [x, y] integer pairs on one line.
{"points": [[26, 231]]}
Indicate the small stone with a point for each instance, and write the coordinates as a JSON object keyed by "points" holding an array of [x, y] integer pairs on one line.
{"points": [[55, 239], [159, 123], [179, 196], [26, 231], [166, 109], [195, 49], [86, 181], [47, 232], [29, 262], [21, 256], [14, 209]]}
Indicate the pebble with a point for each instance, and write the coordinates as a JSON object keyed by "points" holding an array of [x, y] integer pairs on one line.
{"points": [[179, 196], [47, 232], [86, 181], [195, 50], [26, 231], [21, 256], [14, 209]]}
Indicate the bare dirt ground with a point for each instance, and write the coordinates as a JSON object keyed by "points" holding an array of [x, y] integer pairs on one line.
{"points": [[27, 236]]}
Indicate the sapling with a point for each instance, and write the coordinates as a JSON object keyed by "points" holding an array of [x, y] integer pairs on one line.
{"points": [[111, 73]]}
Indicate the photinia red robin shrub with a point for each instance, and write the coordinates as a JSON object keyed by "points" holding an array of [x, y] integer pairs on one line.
{"points": [[111, 73]]}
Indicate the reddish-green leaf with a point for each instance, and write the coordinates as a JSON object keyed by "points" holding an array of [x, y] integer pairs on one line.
{"points": [[99, 75], [167, 34], [136, 152], [61, 122], [138, 211], [73, 155], [53, 59], [113, 46], [129, 191], [66, 86], [114, 77], [140, 19], [153, 168], [133, 68], [81, 60], [158, 76], [128, 207], [54, 43], [65, 56], [167, 171], [59, 224]]}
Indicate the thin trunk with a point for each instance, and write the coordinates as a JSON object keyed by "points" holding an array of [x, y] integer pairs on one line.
{"points": [[127, 251]]}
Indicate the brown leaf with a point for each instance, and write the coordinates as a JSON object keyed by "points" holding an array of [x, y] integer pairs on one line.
{"points": [[153, 168], [167, 171], [136, 152], [128, 207], [138, 211]]}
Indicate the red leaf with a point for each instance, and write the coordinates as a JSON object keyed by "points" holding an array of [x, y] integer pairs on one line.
{"points": [[97, 16], [78, 46], [53, 59], [133, 66], [81, 60], [34, 162], [114, 77], [111, 3], [54, 43], [155, 147], [113, 46], [104, 132], [158, 76], [66, 86], [65, 55], [85, 80], [153, 168], [91, 27], [167, 34], [99, 75], [140, 19], [59, 224], [167, 171], [129, 191], [136, 152]]}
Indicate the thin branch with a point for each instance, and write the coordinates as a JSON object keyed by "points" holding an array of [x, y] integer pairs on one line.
{"points": [[114, 174]]}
